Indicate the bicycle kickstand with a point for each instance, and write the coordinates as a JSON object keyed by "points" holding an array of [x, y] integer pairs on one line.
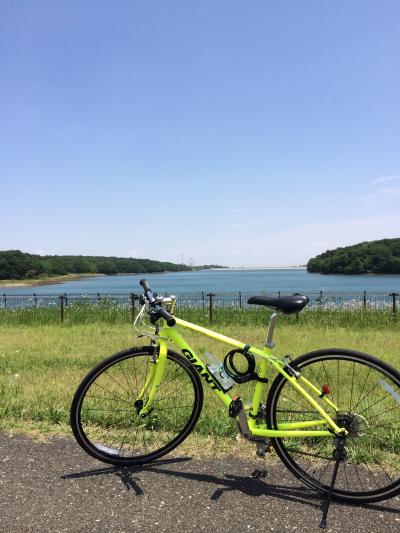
{"points": [[338, 456]]}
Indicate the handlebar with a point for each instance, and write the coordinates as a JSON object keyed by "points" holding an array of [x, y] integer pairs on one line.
{"points": [[167, 316], [158, 310]]}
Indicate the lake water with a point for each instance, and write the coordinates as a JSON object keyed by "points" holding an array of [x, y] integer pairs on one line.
{"points": [[245, 280]]}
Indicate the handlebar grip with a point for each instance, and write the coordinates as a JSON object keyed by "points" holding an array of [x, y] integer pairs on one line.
{"points": [[168, 317], [145, 284]]}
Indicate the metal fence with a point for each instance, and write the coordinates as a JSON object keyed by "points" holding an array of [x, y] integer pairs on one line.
{"points": [[205, 305]]}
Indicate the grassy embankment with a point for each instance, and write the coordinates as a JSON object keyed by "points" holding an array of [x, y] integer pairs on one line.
{"points": [[41, 366]]}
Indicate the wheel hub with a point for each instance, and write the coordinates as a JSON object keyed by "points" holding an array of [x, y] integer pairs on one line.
{"points": [[355, 424]]}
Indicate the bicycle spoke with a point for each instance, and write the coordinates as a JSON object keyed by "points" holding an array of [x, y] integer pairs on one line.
{"points": [[352, 381], [135, 374], [295, 401], [358, 475], [115, 381], [172, 393], [173, 408], [325, 469], [316, 456], [338, 383], [384, 412], [317, 380], [328, 381], [376, 403], [368, 468], [105, 398], [118, 398], [127, 382], [368, 393], [363, 393], [166, 384], [110, 417], [362, 390], [108, 410]]}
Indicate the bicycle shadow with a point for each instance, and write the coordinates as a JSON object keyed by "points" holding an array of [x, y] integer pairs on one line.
{"points": [[124, 474], [251, 485]]}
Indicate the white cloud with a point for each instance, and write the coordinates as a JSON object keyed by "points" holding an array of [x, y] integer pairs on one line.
{"points": [[296, 244], [343, 233], [383, 192], [385, 179]]}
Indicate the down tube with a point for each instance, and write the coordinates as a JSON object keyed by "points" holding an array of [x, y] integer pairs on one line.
{"points": [[201, 368]]}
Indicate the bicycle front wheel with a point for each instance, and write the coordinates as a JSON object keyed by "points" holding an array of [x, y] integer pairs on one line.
{"points": [[106, 416], [367, 394]]}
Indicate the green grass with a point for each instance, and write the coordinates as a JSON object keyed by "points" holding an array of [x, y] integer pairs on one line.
{"points": [[41, 366]]}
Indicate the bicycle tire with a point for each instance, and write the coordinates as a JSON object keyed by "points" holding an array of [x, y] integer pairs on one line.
{"points": [[105, 416], [369, 407]]}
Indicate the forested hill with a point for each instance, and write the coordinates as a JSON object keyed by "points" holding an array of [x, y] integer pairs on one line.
{"points": [[15, 264], [374, 257]]}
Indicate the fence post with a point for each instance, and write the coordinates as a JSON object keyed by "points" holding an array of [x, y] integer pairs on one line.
{"points": [[98, 297], [365, 300], [34, 299], [210, 305], [5, 300], [66, 299], [394, 304], [133, 308], [202, 296], [62, 308], [240, 299]]}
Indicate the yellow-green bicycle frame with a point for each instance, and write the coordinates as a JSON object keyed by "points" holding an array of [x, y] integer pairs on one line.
{"points": [[257, 428]]}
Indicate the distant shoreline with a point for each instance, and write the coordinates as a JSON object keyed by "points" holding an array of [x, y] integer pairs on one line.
{"points": [[58, 280], [264, 268]]}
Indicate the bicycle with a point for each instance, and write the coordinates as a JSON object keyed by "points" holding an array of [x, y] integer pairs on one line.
{"points": [[331, 415]]}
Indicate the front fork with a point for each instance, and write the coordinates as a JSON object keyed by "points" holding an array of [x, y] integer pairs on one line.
{"points": [[153, 380]]}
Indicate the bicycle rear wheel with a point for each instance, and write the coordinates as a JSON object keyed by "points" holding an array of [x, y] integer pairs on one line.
{"points": [[105, 411], [367, 394]]}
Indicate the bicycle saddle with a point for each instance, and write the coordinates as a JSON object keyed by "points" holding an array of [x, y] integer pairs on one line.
{"points": [[285, 304]]}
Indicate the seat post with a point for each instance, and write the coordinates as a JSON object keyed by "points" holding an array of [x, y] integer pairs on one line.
{"points": [[269, 340]]}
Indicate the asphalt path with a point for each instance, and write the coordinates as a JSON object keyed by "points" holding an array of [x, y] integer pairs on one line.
{"points": [[55, 487]]}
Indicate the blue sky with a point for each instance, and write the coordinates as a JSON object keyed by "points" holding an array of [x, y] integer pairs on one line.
{"points": [[241, 133]]}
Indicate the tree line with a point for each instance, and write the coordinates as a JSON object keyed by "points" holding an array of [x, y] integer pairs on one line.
{"points": [[15, 264], [374, 257]]}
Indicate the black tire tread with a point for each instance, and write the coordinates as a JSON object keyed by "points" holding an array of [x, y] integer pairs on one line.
{"points": [[276, 442], [96, 371]]}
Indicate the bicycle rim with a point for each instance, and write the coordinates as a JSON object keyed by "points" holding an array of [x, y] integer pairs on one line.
{"points": [[106, 413], [367, 393]]}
